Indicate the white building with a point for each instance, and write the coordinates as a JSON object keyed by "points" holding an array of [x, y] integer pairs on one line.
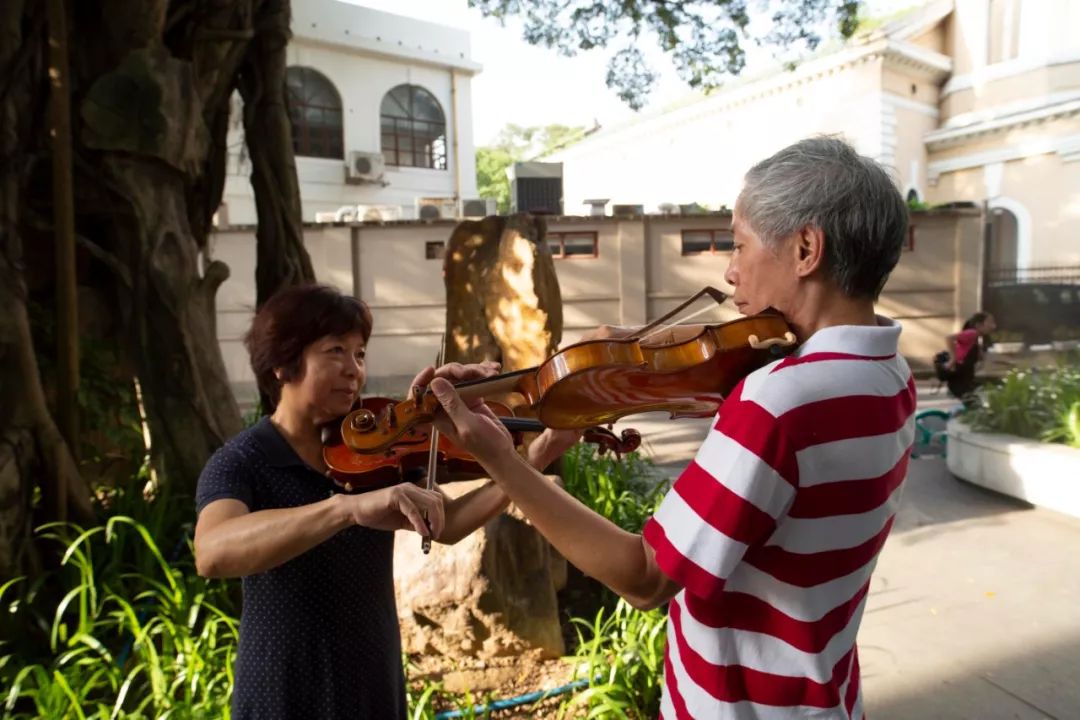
{"points": [[966, 100], [382, 117]]}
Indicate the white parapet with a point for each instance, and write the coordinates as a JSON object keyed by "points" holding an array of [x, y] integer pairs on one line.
{"points": [[1043, 474]]}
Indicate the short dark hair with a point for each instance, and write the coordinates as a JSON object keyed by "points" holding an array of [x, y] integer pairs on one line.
{"points": [[291, 320], [823, 182]]}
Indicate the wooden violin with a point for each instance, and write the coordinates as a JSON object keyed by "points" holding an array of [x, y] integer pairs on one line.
{"points": [[407, 458], [596, 382]]}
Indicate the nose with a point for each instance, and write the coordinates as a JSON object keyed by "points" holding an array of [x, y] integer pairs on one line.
{"points": [[731, 275], [352, 368]]}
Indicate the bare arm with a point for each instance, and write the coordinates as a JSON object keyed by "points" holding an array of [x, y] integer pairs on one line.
{"points": [[231, 541], [467, 513], [621, 560]]}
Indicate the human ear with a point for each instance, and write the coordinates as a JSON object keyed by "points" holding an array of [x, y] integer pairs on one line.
{"points": [[809, 250]]}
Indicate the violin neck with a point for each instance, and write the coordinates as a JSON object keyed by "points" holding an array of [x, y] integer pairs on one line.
{"points": [[505, 383], [514, 424]]}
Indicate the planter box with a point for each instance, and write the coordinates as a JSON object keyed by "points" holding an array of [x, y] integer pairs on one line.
{"points": [[1007, 348], [1065, 345], [1040, 473]]}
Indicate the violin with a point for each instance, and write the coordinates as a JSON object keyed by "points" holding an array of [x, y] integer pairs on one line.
{"points": [[597, 382], [406, 459]]}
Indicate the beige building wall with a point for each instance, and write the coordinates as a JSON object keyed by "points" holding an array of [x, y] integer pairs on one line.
{"points": [[639, 274]]}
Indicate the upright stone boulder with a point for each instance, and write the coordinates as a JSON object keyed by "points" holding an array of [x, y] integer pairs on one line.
{"points": [[490, 595], [494, 592]]}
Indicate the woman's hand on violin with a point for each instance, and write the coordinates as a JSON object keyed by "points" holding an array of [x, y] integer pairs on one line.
{"points": [[473, 427], [400, 507], [455, 373]]}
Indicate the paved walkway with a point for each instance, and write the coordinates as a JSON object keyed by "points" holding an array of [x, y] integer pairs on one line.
{"points": [[974, 610]]}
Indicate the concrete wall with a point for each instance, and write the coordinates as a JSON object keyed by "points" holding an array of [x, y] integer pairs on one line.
{"points": [[638, 275]]}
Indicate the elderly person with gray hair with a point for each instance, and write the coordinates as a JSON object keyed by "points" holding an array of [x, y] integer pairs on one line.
{"points": [[765, 544]]}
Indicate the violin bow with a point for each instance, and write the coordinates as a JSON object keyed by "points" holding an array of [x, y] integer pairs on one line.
{"points": [[657, 325], [433, 454]]}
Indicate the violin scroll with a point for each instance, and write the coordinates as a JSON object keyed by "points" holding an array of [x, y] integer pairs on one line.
{"points": [[607, 441]]}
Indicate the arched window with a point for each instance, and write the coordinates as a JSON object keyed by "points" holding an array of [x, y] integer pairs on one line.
{"points": [[1004, 239], [315, 111], [413, 128]]}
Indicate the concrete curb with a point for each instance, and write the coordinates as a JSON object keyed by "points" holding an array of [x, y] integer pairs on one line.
{"points": [[1042, 474]]}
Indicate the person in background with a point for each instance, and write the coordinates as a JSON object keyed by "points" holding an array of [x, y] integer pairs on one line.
{"points": [[966, 349]]}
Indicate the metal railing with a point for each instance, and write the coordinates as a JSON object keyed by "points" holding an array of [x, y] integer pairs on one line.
{"points": [[1061, 274]]}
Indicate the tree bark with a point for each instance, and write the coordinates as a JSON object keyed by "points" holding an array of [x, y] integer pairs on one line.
{"points": [[150, 92], [281, 259], [32, 450]]}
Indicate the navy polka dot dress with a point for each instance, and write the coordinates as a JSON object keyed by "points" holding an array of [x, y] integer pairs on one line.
{"points": [[319, 635]]}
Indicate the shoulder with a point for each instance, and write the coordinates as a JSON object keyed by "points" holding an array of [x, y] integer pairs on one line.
{"points": [[824, 380], [238, 449]]}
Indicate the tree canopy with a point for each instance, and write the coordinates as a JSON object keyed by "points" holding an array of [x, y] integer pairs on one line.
{"points": [[704, 38]]}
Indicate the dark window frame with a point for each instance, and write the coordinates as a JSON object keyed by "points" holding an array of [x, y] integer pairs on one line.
{"points": [[326, 141], [408, 135], [561, 236], [729, 245], [434, 249]]}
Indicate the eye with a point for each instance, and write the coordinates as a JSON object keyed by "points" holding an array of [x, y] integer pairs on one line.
{"points": [[336, 349], [361, 354]]}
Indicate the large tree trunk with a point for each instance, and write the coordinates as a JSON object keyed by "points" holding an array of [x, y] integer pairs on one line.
{"points": [[31, 448], [151, 84]]}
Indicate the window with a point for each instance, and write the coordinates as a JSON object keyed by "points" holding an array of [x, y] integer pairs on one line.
{"points": [[573, 244], [413, 128], [434, 250], [315, 112], [707, 242], [1004, 30]]}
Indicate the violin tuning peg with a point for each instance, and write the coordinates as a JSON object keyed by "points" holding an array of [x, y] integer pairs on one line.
{"points": [[348, 487]]}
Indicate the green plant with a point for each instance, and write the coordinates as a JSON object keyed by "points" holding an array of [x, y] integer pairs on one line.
{"points": [[1036, 404], [622, 652], [1066, 332], [1008, 336], [121, 642], [624, 490]]}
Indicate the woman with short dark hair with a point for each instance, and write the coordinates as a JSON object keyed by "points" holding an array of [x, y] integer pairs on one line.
{"points": [[319, 634]]}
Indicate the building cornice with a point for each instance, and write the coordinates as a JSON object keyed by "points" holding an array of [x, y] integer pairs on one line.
{"points": [[1067, 148], [946, 137], [904, 56]]}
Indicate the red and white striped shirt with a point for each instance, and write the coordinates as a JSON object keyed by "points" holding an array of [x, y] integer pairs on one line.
{"points": [[775, 527]]}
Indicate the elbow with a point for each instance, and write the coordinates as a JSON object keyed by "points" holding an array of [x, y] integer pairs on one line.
{"points": [[207, 565], [644, 602]]}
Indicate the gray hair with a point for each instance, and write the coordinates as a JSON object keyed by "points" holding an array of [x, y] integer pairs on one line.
{"points": [[822, 182]]}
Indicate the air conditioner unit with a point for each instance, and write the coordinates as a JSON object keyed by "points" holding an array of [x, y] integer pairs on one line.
{"points": [[436, 208], [478, 207], [365, 168]]}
